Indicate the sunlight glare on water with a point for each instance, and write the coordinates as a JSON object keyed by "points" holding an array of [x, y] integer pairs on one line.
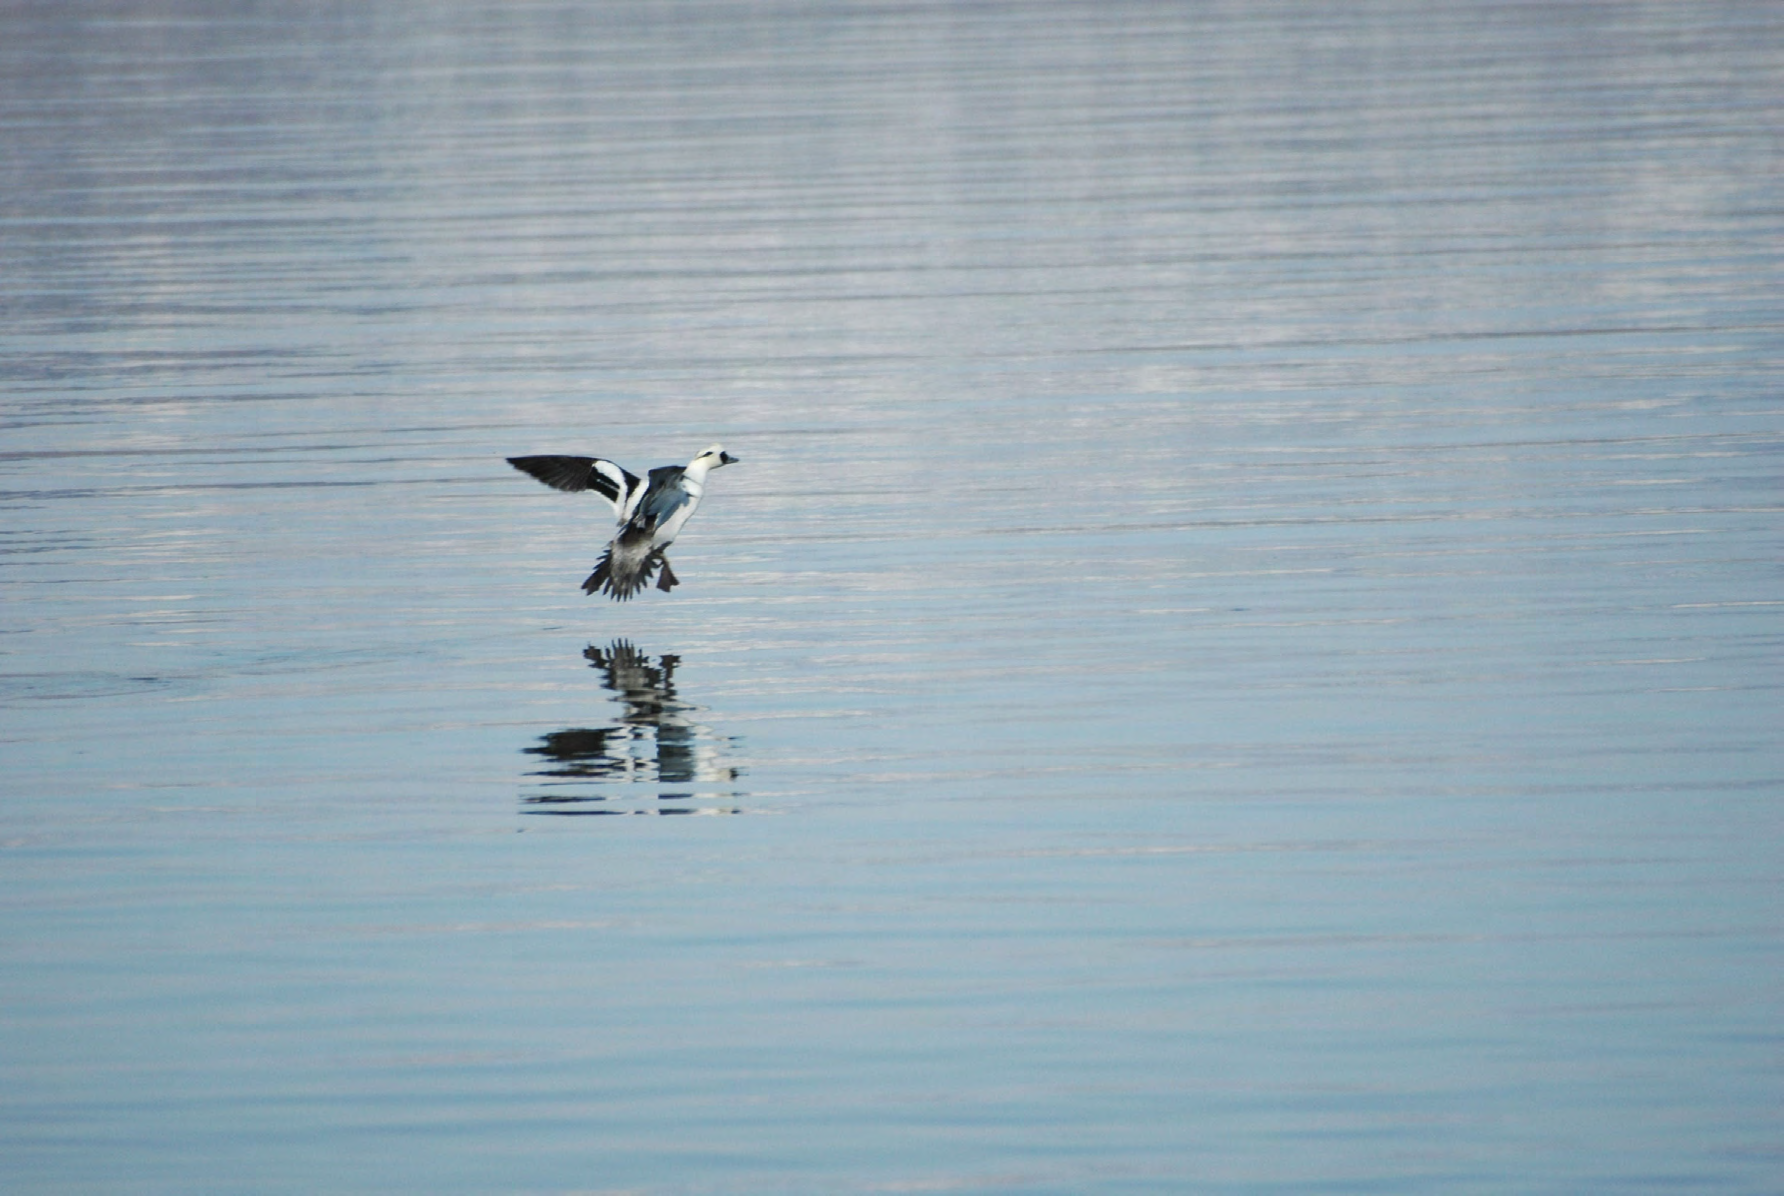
{"points": [[1240, 652]]}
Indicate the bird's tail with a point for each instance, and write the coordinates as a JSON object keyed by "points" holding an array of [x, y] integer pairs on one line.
{"points": [[625, 568]]}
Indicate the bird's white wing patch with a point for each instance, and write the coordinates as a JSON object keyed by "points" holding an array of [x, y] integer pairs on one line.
{"points": [[615, 485]]}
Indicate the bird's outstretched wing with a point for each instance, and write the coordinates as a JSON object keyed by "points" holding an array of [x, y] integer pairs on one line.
{"points": [[576, 474]]}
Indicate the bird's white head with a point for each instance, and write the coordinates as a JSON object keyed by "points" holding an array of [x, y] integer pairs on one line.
{"points": [[712, 458]]}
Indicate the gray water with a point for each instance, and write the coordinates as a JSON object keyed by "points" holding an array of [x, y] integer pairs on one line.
{"points": [[1241, 653]]}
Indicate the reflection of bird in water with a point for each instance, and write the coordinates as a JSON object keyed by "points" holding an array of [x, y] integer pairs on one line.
{"points": [[647, 690], [650, 513], [656, 739]]}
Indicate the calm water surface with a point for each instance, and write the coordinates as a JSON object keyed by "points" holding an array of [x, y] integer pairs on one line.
{"points": [[1242, 653]]}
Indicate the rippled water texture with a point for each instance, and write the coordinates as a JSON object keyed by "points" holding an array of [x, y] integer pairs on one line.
{"points": [[1241, 653]]}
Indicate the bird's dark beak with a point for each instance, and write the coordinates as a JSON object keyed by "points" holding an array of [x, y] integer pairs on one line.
{"points": [[727, 459]]}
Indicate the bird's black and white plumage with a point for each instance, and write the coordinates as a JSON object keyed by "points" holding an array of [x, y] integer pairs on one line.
{"points": [[650, 512]]}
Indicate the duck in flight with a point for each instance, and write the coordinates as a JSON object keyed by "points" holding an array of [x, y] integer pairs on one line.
{"points": [[651, 512]]}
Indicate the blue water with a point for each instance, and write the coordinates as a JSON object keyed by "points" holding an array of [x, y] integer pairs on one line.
{"points": [[1241, 653]]}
